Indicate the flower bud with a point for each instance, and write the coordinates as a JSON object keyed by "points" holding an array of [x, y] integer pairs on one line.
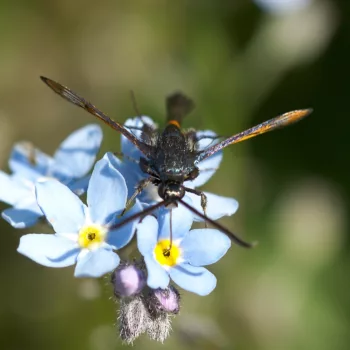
{"points": [[164, 301], [128, 280]]}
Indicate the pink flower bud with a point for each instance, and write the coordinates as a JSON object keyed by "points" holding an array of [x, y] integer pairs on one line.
{"points": [[164, 300], [128, 280]]}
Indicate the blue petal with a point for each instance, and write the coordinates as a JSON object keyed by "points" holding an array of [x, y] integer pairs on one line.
{"points": [[204, 246], [131, 172], [181, 222], [48, 249], [133, 175], [147, 234], [29, 203], [21, 217], [77, 153], [121, 237], [62, 208], [208, 167], [11, 191], [128, 148], [96, 263], [194, 279], [217, 206], [204, 141], [28, 161], [107, 192], [157, 276], [80, 186]]}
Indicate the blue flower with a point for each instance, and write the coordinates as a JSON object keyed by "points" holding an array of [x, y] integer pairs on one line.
{"points": [[71, 162], [217, 206], [84, 234], [190, 251]]}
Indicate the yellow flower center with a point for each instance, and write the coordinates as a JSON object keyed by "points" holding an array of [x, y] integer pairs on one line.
{"points": [[166, 256], [91, 236]]}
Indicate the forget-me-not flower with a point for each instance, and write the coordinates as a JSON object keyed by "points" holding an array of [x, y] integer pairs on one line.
{"points": [[190, 251], [84, 234], [71, 162], [217, 206]]}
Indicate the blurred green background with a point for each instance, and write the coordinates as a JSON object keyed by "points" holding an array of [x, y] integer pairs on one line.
{"points": [[242, 65]]}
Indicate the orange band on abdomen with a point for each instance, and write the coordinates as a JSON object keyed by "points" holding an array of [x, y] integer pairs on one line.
{"points": [[174, 122]]}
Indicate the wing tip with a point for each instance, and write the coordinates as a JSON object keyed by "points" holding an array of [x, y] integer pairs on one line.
{"points": [[49, 82], [44, 79], [307, 111], [295, 116], [303, 113]]}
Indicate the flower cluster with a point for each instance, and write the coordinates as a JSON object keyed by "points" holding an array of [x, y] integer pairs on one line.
{"points": [[90, 235]]}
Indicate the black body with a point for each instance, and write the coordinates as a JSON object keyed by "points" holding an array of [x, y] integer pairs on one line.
{"points": [[171, 162]]}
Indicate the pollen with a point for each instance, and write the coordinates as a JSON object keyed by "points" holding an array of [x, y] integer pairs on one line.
{"points": [[91, 236], [166, 256]]}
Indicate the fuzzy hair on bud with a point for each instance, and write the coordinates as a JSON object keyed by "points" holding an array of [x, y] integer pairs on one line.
{"points": [[159, 327], [133, 319]]}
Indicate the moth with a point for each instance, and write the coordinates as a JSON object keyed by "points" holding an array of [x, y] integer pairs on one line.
{"points": [[170, 156]]}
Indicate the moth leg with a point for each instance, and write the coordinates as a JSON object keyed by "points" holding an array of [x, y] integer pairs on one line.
{"points": [[122, 155], [139, 188], [204, 200]]}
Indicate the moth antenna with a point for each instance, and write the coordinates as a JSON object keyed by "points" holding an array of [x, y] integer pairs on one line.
{"points": [[223, 229], [167, 251], [134, 104], [171, 229]]}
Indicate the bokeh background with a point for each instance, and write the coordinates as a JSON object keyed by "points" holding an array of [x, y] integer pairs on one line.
{"points": [[243, 62]]}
